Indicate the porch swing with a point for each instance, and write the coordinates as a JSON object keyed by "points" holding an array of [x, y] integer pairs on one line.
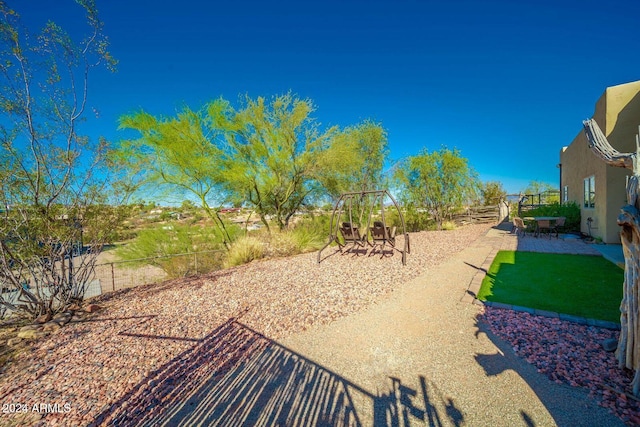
{"points": [[345, 232]]}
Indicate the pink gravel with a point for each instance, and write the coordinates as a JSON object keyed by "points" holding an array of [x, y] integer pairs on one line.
{"points": [[568, 353], [105, 370]]}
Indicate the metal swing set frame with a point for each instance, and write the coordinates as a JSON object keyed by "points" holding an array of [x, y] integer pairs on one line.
{"points": [[380, 232]]}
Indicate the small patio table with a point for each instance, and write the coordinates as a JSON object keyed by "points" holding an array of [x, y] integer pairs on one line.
{"points": [[542, 223]]}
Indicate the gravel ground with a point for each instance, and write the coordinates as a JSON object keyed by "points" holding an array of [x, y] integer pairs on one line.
{"points": [[569, 353], [91, 373], [105, 371]]}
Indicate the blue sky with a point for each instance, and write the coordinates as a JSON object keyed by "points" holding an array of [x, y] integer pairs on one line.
{"points": [[506, 82]]}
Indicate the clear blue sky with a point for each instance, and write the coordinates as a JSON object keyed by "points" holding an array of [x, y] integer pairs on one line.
{"points": [[506, 82]]}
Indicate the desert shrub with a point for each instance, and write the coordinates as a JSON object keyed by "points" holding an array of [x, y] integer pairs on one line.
{"points": [[415, 220], [170, 239], [449, 225], [308, 239], [161, 245], [315, 223], [193, 263], [280, 244], [243, 250], [300, 239]]}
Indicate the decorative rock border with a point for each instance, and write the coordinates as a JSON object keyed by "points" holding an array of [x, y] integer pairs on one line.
{"points": [[41, 327]]}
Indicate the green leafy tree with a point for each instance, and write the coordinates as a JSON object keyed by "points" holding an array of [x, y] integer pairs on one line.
{"points": [[492, 193], [268, 154], [542, 192], [53, 188], [355, 160], [441, 182], [272, 148], [178, 154]]}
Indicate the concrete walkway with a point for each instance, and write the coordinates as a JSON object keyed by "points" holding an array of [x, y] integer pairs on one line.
{"points": [[421, 357]]}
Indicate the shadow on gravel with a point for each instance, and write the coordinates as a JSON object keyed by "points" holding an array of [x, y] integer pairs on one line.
{"points": [[561, 401], [236, 376]]}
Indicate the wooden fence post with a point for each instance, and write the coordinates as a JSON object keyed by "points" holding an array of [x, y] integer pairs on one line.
{"points": [[113, 279]]}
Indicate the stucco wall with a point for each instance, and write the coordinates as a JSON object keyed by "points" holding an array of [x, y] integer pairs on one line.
{"points": [[617, 112], [578, 163]]}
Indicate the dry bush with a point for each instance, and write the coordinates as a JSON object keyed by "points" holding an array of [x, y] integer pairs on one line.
{"points": [[244, 250]]}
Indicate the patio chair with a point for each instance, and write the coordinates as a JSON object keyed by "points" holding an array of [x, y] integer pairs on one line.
{"points": [[519, 227], [351, 234], [559, 223], [382, 234], [543, 224]]}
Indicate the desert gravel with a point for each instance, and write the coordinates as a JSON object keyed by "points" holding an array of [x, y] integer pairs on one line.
{"points": [[102, 371], [148, 344], [569, 353]]}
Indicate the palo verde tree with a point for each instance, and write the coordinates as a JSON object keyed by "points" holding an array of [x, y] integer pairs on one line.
{"points": [[355, 160], [541, 192], [267, 154], [52, 186], [441, 181], [179, 154], [272, 148]]}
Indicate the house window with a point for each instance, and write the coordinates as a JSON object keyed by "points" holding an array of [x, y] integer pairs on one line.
{"points": [[590, 192], [565, 194]]}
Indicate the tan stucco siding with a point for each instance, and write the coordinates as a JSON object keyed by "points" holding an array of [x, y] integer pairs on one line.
{"points": [[578, 163], [622, 120], [618, 115]]}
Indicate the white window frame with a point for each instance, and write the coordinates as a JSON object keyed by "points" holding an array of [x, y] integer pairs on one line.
{"points": [[589, 193]]}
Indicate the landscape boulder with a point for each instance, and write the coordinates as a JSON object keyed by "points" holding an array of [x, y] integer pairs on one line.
{"points": [[43, 318], [12, 342], [31, 334], [92, 308], [610, 345]]}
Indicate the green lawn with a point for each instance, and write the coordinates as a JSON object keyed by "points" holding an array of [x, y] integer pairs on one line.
{"points": [[580, 285]]}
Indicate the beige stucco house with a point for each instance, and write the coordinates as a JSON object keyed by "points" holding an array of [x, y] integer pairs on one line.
{"points": [[599, 189]]}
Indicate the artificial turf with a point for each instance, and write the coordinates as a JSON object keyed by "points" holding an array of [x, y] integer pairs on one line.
{"points": [[579, 285]]}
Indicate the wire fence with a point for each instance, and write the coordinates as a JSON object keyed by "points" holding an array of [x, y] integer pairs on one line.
{"points": [[116, 275]]}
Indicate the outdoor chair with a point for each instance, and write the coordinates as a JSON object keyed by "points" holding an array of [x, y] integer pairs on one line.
{"points": [[519, 227], [559, 223], [543, 224], [382, 235], [351, 234]]}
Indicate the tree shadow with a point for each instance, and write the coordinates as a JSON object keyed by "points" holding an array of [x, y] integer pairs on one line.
{"points": [[237, 376]]}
